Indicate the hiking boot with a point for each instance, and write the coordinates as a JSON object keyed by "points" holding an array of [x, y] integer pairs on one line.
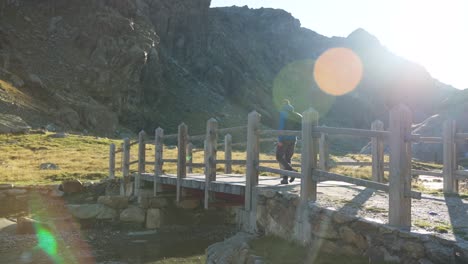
{"points": [[284, 180]]}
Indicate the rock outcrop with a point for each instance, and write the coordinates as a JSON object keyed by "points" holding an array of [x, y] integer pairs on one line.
{"points": [[98, 65]]}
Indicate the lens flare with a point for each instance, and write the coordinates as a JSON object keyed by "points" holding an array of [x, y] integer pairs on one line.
{"points": [[338, 71]]}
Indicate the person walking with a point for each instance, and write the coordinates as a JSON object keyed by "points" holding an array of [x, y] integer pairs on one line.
{"points": [[288, 120]]}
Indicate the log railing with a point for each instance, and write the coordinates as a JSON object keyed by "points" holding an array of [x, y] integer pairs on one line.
{"points": [[314, 156]]}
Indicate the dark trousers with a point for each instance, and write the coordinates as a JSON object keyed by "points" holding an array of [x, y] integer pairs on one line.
{"points": [[284, 154]]}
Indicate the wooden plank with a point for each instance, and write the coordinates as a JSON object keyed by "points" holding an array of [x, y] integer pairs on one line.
{"points": [[448, 134], [430, 140], [118, 151], [353, 163], [377, 149], [400, 167], [321, 176], [461, 174], [280, 171], [253, 155], [133, 162], [197, 137], [181, 158], [351, 132], [170, 136], [189, 157], [210, 154], [126, 158], [428, 173], [158, 154], [232, 162], [134, 143], [461, 136], [228, 153], [280, 133], [309, 155], [231, 130], [170, 160], [323, 152], [112, 161]]}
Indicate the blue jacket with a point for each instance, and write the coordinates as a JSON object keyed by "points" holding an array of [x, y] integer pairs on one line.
{"points": [[285, 122]]}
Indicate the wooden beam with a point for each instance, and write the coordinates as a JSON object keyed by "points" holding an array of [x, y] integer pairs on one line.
{"points": [[112, 161], [158, 154], [181, 158], [126, 158], [323, 152], [428, 173], [141, 161], [253, 155], [280, 171], [377, 148], [280, 133], [309, 155], [228, 153], [400, 167], [351, 132], [189, 157], [210, 154], [450, 181]]}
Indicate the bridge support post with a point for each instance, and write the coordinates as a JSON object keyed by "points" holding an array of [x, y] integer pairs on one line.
{"points": [[125, 166], [228, 153], [182, 139], [112, 161], [253, 157], [141, 161], [450, 181], [158, 157], [309, 155], [400, 167], [377, 149], [210, 157]]}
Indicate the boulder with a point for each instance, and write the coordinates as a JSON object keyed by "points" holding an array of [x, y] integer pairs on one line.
{"points": [[132, 214], [106, 213], [84, 211], [14, 192], [48, 166], [116, 202], [189, 204], [153, 218], [27, 225], [72, 186], [13, 124], [6, 186]]}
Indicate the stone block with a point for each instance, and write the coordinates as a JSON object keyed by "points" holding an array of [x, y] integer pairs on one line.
{"points": [[106, 213], [189, 204], [72, 186], [5, 186], [133, 214], [153, 218], [349, 236], [14, 192], [116, 202], [84, 211], [414, 249]]}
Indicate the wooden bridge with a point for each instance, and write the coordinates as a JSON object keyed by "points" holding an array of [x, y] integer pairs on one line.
{"points": [[313, 167]]}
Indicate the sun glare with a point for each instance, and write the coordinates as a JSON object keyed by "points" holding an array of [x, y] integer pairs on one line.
{"points": [[338, 71]]}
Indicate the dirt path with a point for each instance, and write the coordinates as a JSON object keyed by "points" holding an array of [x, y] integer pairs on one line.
{"points": [[442, 216]]}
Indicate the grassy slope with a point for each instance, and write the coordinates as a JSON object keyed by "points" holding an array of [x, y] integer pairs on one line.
{"points": [[86, 158]]}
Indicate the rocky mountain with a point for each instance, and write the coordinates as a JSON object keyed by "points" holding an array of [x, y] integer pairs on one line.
{"points": [[107, 65]]}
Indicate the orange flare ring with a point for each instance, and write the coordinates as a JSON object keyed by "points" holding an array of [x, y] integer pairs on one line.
{"points": [[338, 71]]}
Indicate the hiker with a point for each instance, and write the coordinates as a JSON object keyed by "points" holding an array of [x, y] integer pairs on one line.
{"points": [[288, 120]]}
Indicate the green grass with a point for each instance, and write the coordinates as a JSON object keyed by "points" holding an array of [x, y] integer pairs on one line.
{"points": [[438, 226]]}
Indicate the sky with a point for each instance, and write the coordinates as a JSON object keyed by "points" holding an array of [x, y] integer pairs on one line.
{"points": [[432, 33]]}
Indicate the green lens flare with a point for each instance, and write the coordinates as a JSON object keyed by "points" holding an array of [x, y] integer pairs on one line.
{"points": [[47, 243]]}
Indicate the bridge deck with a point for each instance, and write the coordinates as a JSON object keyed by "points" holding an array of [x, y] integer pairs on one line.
{"points": [[225, 183]]}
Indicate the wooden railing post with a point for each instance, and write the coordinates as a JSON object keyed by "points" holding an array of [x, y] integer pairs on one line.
{"points": [[449, 148], [228, 153], [126, 157], [181, 158], [189, 157], [141, 161], [158, 155], [400, 167], [323, 152], [253, 157], [377, 148], [210, 157], [125, 166], [308, 155], [112, 161]]}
